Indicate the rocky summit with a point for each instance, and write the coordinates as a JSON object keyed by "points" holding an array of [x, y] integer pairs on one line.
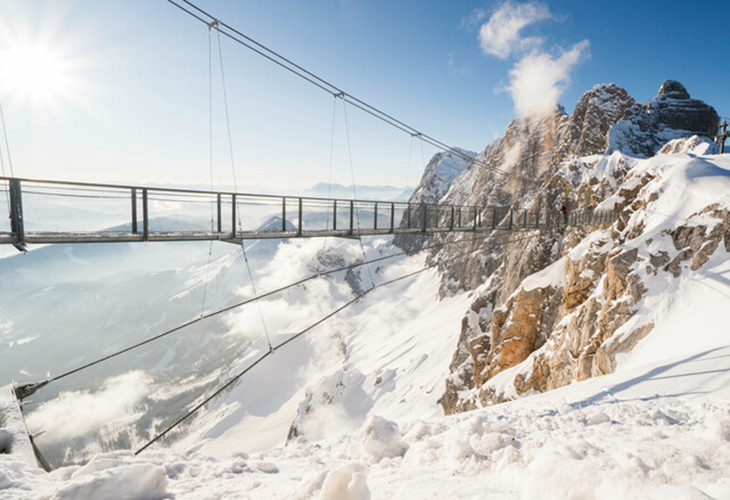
{"points": [[554, 306], [646, 127]]}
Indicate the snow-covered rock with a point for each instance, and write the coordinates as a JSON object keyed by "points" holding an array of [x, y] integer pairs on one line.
{"points": [[440, 172], [672, 114], [543, 162]]}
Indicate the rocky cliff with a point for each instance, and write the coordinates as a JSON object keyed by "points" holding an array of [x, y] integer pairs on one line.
{"points": [[439, 174], [573, 315], [672, 114]]}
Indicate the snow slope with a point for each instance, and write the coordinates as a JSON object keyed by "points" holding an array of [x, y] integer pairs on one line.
{"points": [[357, 398]]}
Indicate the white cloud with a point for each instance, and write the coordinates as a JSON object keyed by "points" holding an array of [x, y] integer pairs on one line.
{"points": [[539, 77], [538, 80], [473, 19], [500, 36]]}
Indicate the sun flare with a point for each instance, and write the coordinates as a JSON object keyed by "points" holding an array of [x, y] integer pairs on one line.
{"points": [[37, 74]]}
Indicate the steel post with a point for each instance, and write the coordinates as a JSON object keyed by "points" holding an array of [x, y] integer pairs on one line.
{"points": [[233, 215], [220, 220], [16, 214], [134, 210], [392, 217], [301, 219], [145, 216], [283, 215], [352, 217]]}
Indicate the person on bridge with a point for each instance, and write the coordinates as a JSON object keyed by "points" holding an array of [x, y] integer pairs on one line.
{"points": [[564, 210]]}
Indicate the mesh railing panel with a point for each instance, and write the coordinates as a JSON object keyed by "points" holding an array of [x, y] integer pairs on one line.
{"points": [[171, 212], [59, 209], [254, 214], [5, 207]]}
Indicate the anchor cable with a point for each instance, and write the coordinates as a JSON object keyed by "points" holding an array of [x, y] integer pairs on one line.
{"points": [[284, 343]]}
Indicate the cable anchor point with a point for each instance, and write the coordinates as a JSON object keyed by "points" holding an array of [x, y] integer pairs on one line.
{"points": [[340, 95], [213, 24], [23, 391]]}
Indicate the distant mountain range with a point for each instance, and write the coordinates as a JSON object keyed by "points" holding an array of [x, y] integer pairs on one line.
{"points": [[362, 192]]}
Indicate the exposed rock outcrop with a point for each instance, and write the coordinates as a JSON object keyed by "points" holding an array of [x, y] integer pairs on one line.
{"points": [[596, 112], [646, 127], [548, 335], [435, 182]]}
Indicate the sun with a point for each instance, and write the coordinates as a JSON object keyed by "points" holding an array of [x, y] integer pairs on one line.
{"points": [[37, 74]]}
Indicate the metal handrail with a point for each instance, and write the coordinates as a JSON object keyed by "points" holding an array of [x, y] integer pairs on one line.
{"points": [[349, 217]]}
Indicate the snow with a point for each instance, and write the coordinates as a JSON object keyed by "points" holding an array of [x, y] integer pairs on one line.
{"points": [[620, 436], [362, 390], [14, 441], [349, 482], [381, 438], [551, 276]]}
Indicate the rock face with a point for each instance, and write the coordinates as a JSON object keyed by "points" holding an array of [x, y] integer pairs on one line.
{"points": [[435, 182], [596, 112], [438, 176], [547, 335], [646, 127]]}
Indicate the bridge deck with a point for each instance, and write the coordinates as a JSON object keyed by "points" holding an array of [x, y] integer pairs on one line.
{"points": [[47, 212]]}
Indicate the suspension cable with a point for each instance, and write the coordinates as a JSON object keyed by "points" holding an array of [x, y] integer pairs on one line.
{"points": [[332, 157], [28, 389], [7, 144], [273, 56], [235, 189], [210, 162], [294, 337], [408, 168], [354, 192], [284, 343]]}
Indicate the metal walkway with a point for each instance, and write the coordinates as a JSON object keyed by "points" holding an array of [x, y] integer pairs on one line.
{"points": [[44, 212]]}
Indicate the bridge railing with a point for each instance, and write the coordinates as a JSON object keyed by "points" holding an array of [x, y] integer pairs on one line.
{"points": [[68, 212], [41, 211]]}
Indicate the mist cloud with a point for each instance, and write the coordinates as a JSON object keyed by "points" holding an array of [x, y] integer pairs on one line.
{"points": [[538, 80], [500, 36], [538, 77], [79, 413]]}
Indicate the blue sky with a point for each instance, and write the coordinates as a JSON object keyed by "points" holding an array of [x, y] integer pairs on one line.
{"points": [[131, 104]]}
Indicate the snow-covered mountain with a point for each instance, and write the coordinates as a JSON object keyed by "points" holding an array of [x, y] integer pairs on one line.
{"points": [[605, 346], [364, 192], [672, 114], [435, 182], [439, 174]]}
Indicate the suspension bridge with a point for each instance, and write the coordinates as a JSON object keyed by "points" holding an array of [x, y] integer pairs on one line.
{"points": [[59, 212], [67, 212]]}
